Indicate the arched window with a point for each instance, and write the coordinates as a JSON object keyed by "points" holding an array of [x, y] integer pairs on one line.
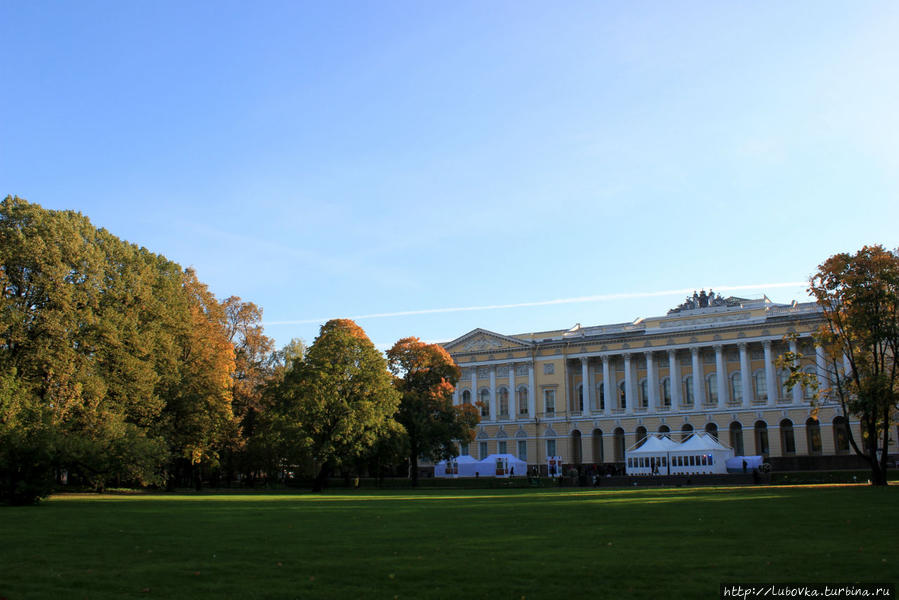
{"points": [[761, 385], [666, 392], [813, 434], [761, 438], [736, 438], [644, 394], [485, 402], [601, 395], [782, 378], [523, 401], [711, 388], [466, 397], [840, 435], [686, 431], [619, 445], [597, 446], [808, 392], [640, 435], [688, 390], [622, 395], [736, 387], [787, 439], [665, 431], [712, 429], [503, 402], [576, 451]]}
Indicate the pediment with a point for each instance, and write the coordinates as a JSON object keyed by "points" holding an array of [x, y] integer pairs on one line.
{"points": [[481, 340]]}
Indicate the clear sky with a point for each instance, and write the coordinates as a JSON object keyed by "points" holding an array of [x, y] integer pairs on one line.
{"points": [[338, 159]]}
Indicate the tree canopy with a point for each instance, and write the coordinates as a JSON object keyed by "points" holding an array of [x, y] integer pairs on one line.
{"points": [[859, 296], [426, 377]]}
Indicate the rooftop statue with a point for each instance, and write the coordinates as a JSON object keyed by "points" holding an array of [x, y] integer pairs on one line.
{"points": [[700, 300]]}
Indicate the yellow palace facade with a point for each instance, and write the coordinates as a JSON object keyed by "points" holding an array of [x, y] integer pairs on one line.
{"points": [[586, 394]]}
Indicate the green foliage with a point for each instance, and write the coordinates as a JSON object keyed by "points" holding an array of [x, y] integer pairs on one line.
{"points": [[426, 376], [120, 359], [859, 297], [338, 401]]}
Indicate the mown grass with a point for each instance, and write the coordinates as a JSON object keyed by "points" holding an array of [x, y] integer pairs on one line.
{"points": [[439, 544]]}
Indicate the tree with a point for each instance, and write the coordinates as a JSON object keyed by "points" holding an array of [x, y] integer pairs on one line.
{"points": [[859, 298], [426, 376], [340, 398]]}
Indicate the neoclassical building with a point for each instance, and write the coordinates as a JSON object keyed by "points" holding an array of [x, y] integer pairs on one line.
{"points": [[588, 393]]}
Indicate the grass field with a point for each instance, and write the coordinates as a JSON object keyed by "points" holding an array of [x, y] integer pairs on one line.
{"points": [[671, 543]]}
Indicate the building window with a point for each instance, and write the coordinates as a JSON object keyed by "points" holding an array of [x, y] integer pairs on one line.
{"points": [[619, 445], [597, 446], [784, 376], [761, 386], [549, 402], [502, 447], [787, 440], [813, 433], [485, 403], [482, 448], [761, 438], [464, 451], [644, 394], [840, 435], [711, 386], [809, 391], [580, 398], [640, 434], [736, 438], [688, 390], [550, 448], [466, 397], [601, 394], [523, 401], [712, 429], [523, 450], [503, 402], [686, 431], [549, 368], [665, 431], [666, 392], [622, 396], [736, 387]]}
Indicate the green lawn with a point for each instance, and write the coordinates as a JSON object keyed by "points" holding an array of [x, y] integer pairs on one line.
{"points": [[672, 543]]}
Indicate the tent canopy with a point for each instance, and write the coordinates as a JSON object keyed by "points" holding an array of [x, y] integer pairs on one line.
{"points": [[655, 444]]}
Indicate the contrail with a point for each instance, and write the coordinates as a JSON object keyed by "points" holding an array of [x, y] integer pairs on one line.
{"points": [[579, 299]]}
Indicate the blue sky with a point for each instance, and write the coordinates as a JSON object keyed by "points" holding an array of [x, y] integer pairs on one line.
{"points": [[355, 158]]}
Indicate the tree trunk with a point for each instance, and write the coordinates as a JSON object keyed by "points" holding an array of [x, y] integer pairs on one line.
{"points": [[321, 480]]}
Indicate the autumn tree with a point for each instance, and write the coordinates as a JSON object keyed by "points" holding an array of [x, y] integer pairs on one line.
{"points": [[339, 399], [425, 375], [859, 298]]}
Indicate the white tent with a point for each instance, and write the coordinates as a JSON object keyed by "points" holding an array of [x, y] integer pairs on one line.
{"points": [[651, 457], [699, 454], [735, 465], [461, 466], [503, 465]]}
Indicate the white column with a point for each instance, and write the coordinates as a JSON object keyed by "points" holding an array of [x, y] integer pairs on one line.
{"points": [[797, 389], [607, 387], [585, 383], [652, 382], [770, 375], [532, 393], [821, 368], [745, 376], [698, 387], [674, 379], [513, 396], [628, 385], [721, 373], [492, 393]]}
